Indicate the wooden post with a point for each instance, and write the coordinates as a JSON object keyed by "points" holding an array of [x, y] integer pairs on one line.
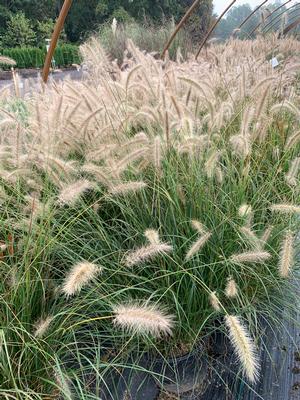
{"points": [[55, 36]]}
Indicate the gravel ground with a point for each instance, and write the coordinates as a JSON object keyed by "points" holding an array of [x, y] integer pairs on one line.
{"points": [[28, 84]]}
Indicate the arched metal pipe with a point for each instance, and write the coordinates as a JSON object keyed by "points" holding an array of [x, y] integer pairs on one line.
{"points": [[274, 21], [213, 27], [290, 27], [269, 16], [252, 13], [55, 36], [278, 19]]}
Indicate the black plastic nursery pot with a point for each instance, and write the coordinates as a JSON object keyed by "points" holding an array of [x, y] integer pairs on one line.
{"points": [[185, 377], [182, 377], [187, 374]]}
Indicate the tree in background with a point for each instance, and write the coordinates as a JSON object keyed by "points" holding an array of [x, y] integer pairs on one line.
{"points": [[86, 16], [264, 19], [33, 9], [44, 31], [234, 18], [19, 31], [200, 21]]}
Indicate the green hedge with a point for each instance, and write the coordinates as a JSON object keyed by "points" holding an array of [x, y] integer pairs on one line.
{"points": [[34, 57]]}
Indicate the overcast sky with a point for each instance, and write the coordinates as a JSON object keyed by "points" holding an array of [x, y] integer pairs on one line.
{"points": [[220, 5]]}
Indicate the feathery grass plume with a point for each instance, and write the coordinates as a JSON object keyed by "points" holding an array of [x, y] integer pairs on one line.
{"points": [[130, 75], [70, 194], [285, 208], [284, 21], [181, 194], [135, 155], [214, 301], [241, 145], [251, 237], [100, 173], [286, 255], [197, 246], [198, 226], [219, 175], [292, 140], [146, 253], [251, 257], [266, 235], [114, 26], [42, 326], [152, 235], [143, 319], [64, 384], [7, 61], [243, 346], [246, 121], [128, 187], [157, 153], [206, 90], [211, 163], [291, 176], [286, 105], [245, 211], [80, 275], [262, 102], [231, 290]]}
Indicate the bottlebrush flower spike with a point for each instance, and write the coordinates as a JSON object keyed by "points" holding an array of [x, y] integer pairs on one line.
{"points": [[146, 253], [285, 208], [231, 288], [128, 187], [42, 326], [250, 257], [245, 211], [70, 194], [197, 246], [80, 275], [266, 235], [214, 301], [198, 226], [251, 237], [152, 235], [143, 319], [292, 176], [287, 255], [243, 346]]}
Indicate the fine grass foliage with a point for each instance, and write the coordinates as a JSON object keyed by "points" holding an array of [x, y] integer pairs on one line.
{"points": [[142, 205]]}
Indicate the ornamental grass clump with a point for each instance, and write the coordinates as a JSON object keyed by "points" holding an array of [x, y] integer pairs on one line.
{"points": [[145, 206]]}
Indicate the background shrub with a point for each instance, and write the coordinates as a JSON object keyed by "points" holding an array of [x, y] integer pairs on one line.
{"points": [[146, 37], [19, 31], [34, 57]]}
